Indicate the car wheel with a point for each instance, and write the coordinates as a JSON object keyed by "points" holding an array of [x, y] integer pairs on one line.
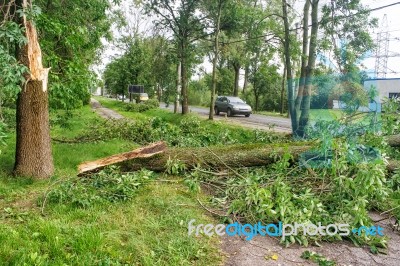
{"points": [[229, 112], [248, 115], [216, 110]]}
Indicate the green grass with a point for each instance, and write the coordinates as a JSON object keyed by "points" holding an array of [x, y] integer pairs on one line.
{"points": [[270, 113], [150, 229], [325, 114]]}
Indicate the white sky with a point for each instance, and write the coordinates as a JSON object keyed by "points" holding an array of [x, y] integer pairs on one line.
{"points": [[393, 17]]}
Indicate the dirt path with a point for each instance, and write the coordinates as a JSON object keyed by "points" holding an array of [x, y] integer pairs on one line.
{"points": [[104, 112], [259, 250]]}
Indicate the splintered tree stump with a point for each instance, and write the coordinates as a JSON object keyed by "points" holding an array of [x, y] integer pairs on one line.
{"points": [[144, 152]]}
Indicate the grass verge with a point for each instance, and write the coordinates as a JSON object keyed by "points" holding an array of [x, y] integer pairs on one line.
{"points": [[150, 229]]}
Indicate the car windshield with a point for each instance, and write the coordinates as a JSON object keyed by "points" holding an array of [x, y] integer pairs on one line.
{"points": [[235, 100]]}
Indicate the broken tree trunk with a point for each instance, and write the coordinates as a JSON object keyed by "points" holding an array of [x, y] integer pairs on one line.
{"points": [[155, 157], [224, 157], [144, 152], [217, 157], [33, 156]]}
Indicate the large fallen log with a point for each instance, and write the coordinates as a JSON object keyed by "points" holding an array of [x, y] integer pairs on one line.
{"points": [[144, 152], [218, 157], [155, 157], [224, 157]]}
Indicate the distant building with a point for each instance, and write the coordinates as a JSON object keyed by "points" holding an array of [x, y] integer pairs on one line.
{"points": [[386, 87]]}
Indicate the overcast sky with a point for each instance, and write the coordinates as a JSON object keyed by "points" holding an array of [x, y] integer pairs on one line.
{"points": [[393, 17]]}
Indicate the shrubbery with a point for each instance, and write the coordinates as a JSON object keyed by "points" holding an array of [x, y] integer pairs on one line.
{"points": [[188, 133]]}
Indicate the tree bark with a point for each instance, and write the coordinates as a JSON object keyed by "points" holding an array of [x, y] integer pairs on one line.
{"points": [[224, 157], [236, 67], [303, 70], [177, 90], [218, 157], [305, 105], [184, 80], [246, 78], [33, 156], [283, 91], [289, 74]]}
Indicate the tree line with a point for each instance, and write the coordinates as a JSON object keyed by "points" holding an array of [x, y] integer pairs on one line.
{"points": [[47, 49], [277, 51]]}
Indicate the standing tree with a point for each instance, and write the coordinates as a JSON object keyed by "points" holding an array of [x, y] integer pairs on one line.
{"points": [[346, 26], [214, 9], [299, 108], [33, 148], [182, 18]]}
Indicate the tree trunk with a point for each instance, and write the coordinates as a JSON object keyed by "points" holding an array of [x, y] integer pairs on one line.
{"points": [[283, 91], [246, 78], [184, 84], [214, 73], [178, 88], [33, 148], [33, 156], [236, 67], [144, 152], [224, 157], [305, 105], [303, 70], [289, 74], [219, 157]]}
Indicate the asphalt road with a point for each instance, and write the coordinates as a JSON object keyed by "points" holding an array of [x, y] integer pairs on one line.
{"points": [[279, 124]]}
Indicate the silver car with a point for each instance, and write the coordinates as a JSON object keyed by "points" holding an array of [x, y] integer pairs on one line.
{"points": [[232, 106]]}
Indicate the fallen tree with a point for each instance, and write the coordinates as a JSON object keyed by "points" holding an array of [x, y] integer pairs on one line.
{"points": [[155, 156], [225, 157], [217, 157]]}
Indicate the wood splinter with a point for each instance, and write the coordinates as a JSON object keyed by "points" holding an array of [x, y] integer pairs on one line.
{"points": [[144, 152]]}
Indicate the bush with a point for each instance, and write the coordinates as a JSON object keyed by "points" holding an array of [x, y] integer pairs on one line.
{"points": [[190, 132], [199, 98]]}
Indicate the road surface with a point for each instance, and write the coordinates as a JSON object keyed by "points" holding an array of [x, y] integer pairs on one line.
{"points": [[278, 124]]}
